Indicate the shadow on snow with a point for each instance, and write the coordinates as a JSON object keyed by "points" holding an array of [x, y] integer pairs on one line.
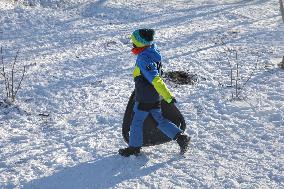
{"points": [[103, 173]]}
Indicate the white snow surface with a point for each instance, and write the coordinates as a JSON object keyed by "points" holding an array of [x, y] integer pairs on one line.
{"points": [[64, 129]]}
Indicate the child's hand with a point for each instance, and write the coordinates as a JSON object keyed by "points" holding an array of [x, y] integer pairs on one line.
{"points": [[172, 100]]}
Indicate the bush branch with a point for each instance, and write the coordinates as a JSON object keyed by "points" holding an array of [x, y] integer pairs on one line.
{"points": [[19, 85]]}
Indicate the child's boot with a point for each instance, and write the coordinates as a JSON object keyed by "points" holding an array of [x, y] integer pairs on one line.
{"points": [[126, 152], [183, 142]]}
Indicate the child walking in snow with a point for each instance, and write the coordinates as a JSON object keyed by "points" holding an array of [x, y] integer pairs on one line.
{"points": [[149, 88]]}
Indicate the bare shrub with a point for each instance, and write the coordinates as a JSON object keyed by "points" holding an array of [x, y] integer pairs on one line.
{"points": [[232, 61], [11, 84]]}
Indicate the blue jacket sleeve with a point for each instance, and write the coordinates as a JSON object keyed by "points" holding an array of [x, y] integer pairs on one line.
{"points": [[147, 67]]}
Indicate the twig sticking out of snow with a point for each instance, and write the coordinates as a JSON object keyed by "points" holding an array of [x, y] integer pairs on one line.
{"points": [[281, 64], [282, 9]]}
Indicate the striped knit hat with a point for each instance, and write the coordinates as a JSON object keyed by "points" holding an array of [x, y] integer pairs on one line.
{"points": [[142, 37]]}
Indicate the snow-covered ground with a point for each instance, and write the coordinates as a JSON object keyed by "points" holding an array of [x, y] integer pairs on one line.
{"points": [[65, 127]]}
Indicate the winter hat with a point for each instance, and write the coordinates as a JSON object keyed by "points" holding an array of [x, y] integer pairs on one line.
{"points": [[142, 37]]}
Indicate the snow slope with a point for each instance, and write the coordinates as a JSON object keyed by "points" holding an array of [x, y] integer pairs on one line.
{"points": [[65, 127]]}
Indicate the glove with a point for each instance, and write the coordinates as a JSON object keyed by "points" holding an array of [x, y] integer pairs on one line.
{"points": [[172, 100]]}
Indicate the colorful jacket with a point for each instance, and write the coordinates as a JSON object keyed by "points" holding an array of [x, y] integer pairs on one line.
{"points": [[148, 83]]}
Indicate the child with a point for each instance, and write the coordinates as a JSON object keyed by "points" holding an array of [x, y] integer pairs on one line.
{"points": [[149, 88]]}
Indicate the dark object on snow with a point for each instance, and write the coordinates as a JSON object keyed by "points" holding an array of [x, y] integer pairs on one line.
{"points": [[281, 64], [181, 77], [183, 142], [151, 134], [126, 152]]}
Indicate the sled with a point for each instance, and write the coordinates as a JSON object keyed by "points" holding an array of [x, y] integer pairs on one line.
{"points": [[151, 134]]}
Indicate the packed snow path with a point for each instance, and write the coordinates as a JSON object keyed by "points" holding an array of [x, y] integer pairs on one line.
{"points": [[65, 127]]}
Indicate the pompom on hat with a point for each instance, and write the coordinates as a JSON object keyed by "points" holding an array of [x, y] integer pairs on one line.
{"points": [[142, 37]]}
